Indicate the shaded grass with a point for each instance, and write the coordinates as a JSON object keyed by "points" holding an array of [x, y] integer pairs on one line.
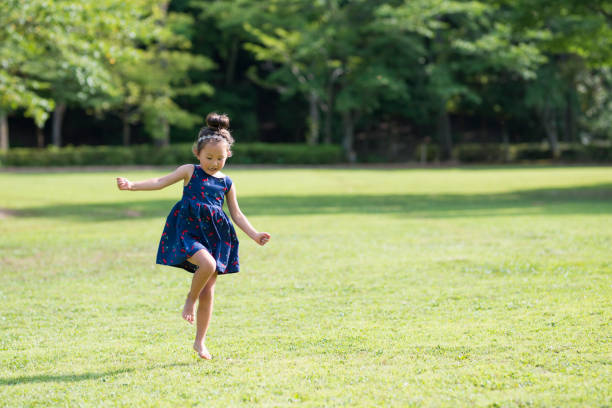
{"points": [[444, 288], [590, 199]]}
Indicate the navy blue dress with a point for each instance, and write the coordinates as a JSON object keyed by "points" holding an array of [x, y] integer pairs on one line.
{"points": [[199, 222]]}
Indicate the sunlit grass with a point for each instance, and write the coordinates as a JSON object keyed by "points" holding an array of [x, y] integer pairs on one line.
{"points": [[388, 287]]}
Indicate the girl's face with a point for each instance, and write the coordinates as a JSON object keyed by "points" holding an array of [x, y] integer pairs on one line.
{"points": [[212, 157]]}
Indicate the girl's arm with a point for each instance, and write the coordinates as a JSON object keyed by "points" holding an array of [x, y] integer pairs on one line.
{"points": [[183, 172], [240, 219]]}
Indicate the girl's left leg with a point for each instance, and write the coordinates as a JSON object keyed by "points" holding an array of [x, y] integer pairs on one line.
{"points": [[205, 308], [206, 268]]}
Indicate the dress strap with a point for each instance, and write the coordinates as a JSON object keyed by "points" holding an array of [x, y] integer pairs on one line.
{"points": [[196, 167], [228, 184]]}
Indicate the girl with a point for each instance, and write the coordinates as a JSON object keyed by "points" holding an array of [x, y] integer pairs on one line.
{"points": [[198, 235]]}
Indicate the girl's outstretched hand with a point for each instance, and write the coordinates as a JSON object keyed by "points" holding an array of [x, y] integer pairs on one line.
{"points": [[124, 184], [262, 238]]}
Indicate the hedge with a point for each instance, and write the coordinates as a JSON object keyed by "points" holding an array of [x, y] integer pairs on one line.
{"points": [[244, 153], [262, 153], [480, 153], [527, 152]]}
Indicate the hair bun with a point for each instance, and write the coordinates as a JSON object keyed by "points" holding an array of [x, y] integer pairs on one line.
{"points": [[217, 121]]}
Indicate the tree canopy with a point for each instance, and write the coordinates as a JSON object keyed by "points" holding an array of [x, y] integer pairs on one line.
{"points": [[322, 71]]}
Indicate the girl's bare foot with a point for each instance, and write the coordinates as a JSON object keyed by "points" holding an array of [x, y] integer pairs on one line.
{"points": [[202, 351], [189, 310]]}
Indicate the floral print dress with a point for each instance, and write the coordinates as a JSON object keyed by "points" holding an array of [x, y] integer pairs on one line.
{"points": [[199, 222]]}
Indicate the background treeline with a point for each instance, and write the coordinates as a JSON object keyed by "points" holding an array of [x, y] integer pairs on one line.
{"points": [[380, 80]]}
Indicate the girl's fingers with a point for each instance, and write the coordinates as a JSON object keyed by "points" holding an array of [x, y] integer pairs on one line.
{"points": [[265, 237], [123, 183]]}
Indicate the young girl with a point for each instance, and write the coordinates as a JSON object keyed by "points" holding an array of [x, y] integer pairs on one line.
{"points": [[198, 235]]}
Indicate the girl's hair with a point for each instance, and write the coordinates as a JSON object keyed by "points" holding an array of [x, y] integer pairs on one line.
{"points": [[215, 131]]}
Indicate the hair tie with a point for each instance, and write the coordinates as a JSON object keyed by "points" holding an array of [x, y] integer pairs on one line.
{"points": [[204, 137]]}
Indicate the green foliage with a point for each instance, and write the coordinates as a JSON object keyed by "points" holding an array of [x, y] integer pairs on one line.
{"points": [[467, 41], [594, 92], [286, 154], [98, 55], [431, 153], [262, 153], [244, 153], [532, 67], [62, 51], [150, 79], [479, 153], [529, 152], [571, 26], [576, 38]]}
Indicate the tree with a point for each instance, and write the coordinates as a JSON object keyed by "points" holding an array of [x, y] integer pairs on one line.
{"points": [[22, 47], [351, 57], [66, 53], [314, 49], [466, 44], [576, 38], [285, 36], [155, 73], [59, 53]]}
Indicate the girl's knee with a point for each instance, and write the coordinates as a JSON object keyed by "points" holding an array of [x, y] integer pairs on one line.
{"points": [[204, 260], [209, 264]]}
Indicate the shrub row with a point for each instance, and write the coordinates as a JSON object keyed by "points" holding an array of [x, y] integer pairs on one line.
{"points": [[262, 153], [499, 153], [246, 153]]}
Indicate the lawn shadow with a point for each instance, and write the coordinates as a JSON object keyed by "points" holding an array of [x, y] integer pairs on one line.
{"points": [[573, 200], [594, 199], [97, 212], [78, 377]]}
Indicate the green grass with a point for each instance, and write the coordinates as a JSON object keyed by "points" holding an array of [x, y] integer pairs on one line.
{"points": [[397, 287]]}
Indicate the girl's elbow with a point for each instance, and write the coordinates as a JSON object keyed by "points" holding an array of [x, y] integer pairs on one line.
{"points": [[237, 216], [159, 184]]}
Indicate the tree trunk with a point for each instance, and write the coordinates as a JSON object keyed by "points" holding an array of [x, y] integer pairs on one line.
{"points": [[231, 62], [58, 118], [505, 142], [444, 132], [423, 152], [126, 128], [553, 138], [349, 136], [40, 138], [548, 116], [570, 119], [165, 139], [329, 114], [314, 121], [4, 132], [549, 121], [327, 134]]}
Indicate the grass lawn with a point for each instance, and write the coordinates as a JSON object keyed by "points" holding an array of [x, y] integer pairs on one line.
{"points": [[396, 287]]}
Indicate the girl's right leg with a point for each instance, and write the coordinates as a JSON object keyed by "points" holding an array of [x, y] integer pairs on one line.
{"points": [[205, 308], [206, 268]]}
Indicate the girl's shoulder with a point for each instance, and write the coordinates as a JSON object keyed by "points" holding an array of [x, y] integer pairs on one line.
{"points": [[188, 169], [226, 179]]}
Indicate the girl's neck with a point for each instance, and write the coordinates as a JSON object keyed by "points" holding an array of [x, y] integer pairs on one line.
{"points": [[216, 174]]}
